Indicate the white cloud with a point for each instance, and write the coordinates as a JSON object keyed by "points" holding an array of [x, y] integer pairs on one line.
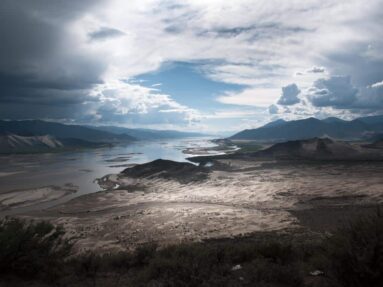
{"points": [[258, 97], [265, 35], [132, 104], [260, 44], [377, 85]]}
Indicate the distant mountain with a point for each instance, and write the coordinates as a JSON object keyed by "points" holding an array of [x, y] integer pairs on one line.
{"points": [[29, 128], [11, 143], [280, 130], [275, 123], [375, 122], [372, 119], [36, 136], [17, 144], [147, 134]]}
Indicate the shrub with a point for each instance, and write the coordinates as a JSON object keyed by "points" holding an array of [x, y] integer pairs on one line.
{"points": [[31, 249], [355, 253]]}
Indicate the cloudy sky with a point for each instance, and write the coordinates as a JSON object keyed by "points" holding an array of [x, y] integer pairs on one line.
{"points": [[204, 65]]}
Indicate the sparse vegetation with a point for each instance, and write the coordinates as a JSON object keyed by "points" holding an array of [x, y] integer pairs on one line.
{"points": [[355, 253], [36, 252], [31, 250]]}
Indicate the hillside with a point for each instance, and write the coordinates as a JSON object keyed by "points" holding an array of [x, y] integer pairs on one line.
{"points": [[18, 144], [311, 127], [318, 149]]}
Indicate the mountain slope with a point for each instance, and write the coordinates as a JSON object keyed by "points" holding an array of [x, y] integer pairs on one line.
{"points": [[310, 128], [59, 131], [11, 143], [19, 144]]}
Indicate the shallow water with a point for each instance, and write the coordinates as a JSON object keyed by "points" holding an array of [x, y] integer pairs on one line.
{"points": [[82, 168]]}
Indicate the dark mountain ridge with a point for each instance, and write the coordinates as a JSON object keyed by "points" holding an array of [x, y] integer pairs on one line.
{"points": [[11, 144], [280, 130], [29, 128]]}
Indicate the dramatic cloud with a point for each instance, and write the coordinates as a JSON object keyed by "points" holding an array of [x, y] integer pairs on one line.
{"points": [[42, 63], [127, 103], [336, 91], [370, 99], [339, 93], [289, 95], [59, 58]]}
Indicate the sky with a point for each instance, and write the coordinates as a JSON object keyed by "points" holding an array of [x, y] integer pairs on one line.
{"points": [[196, 65]]}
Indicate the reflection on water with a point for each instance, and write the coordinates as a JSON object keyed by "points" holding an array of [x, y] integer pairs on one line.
{"points": [[82, 168]]}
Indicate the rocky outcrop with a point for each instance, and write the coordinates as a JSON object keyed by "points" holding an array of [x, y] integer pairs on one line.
{"points": [[183, 172]]}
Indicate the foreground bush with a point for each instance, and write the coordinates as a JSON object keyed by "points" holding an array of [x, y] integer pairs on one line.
{"points": [[31, 250], [355, 253], [352, 257]]}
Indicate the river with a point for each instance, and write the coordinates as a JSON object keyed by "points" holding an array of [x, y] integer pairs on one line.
{"points": [[82, 168]]}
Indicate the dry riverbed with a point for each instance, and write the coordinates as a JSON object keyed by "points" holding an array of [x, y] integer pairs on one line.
{"points": [[28, 197], [230, 198]]}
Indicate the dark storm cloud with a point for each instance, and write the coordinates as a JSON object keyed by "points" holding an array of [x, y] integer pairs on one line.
{"points": [[289, 95], [337, 92], [361, 59], [104, 33], [364, 70], [370, 98], [38, 64]]}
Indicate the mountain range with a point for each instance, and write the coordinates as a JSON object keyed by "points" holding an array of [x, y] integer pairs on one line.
{"points": [[147, 134], [11, 143], [40, 136], [31, 128], [366, 128]]}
